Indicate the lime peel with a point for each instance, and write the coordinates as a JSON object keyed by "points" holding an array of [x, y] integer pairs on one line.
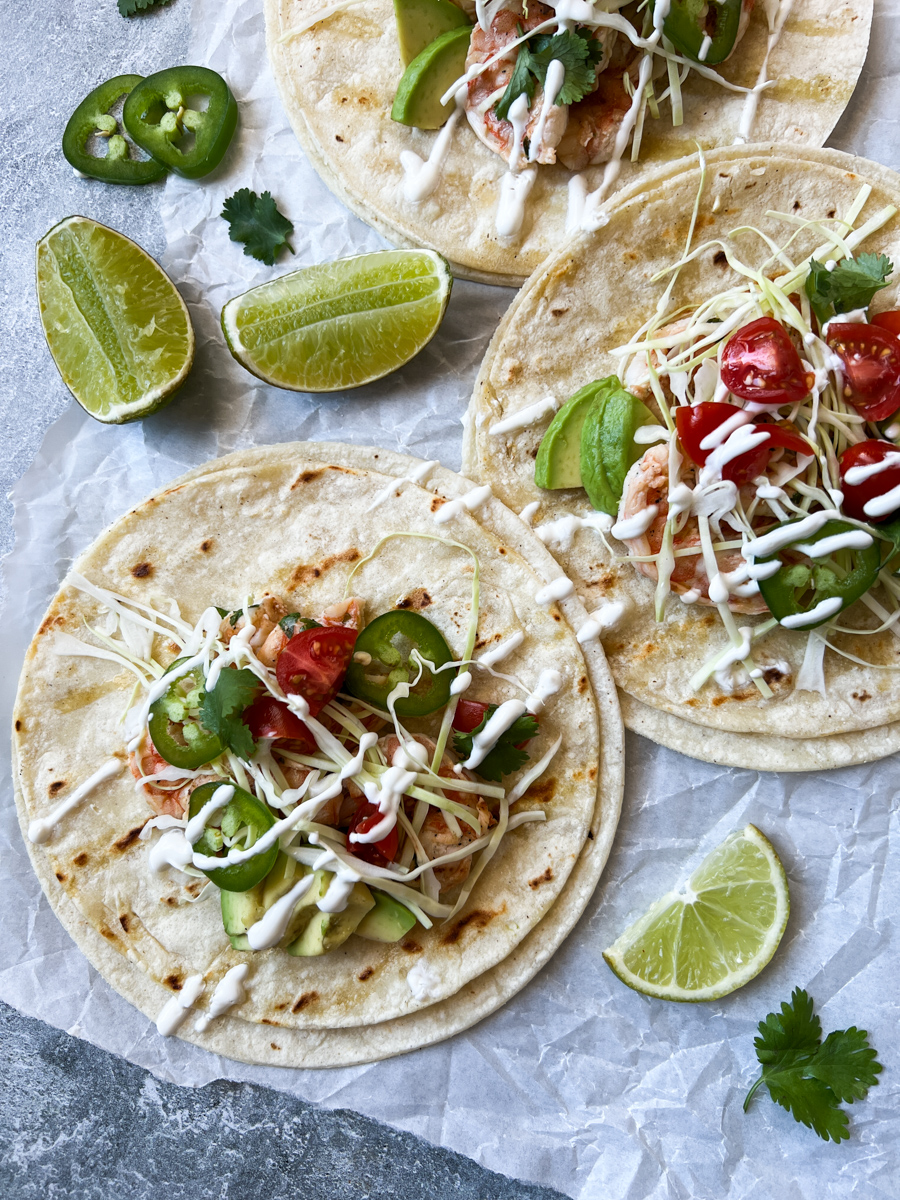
{"points": [[716, 932]]}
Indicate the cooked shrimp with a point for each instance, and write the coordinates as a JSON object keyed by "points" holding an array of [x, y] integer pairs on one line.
{"points": [[345, 612], [486, 89], [435, 835], [594, 121], [264, 617], [170, 801], [648, 483]]}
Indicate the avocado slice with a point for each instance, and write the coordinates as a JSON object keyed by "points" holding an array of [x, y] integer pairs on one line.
{"points": [[419, 22], [558, 462], [325, 931], [388, 921], [440, 64], [240, 910], [608, 449]]}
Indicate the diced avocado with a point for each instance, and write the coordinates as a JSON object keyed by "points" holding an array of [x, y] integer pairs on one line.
{"points": [[388, 921], [608, 448], [419, 22], [436, 68], [324, 931], [558, 462]]}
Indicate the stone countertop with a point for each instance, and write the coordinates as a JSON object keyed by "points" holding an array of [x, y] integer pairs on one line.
{"points": [[74, 1120]]}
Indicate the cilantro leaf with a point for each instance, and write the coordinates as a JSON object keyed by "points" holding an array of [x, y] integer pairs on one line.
{"points": [[505, 756], [130, 8], [221, 709], [295, 623], [852, 284], [256, 221], [578, 54], [846, 1063], [810, 1077]]}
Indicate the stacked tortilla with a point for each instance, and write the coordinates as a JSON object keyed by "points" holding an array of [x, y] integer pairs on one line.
{"points": [[593, 296], [295, 520]]}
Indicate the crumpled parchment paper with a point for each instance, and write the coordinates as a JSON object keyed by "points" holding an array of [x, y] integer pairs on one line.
{"points": [[578, 1083]]}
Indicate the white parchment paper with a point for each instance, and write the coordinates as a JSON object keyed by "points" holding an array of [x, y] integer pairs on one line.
{"points": [[582, 1084]]}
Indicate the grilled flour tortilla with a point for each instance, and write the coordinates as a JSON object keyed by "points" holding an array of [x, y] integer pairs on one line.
{"points": [[296, 524], [338, 78], [593, 296]]}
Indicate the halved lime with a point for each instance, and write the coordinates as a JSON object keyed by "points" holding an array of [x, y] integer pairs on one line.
{"points": [[116, 326], [714, 934], [341, 324]]}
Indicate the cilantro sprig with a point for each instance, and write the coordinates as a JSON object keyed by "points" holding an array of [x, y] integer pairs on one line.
{"points": [[809, 1077], [256, 221], [221, 709], [505, 756], [131, 8], [850, 284], [579, 55]]}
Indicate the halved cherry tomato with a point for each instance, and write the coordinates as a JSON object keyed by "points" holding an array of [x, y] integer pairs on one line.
{"points": [[889, 321], [857, 495], [313, 664], [760, 363], [379, 854], [871, 358], [469, 715], [697, 422], [271, 718]]}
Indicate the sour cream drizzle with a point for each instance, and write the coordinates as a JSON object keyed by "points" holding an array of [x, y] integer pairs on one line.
{"points": [[557, 589], [220, 798], [419, 476], [525, 416], [40, 829], [271, 928], [421, 176], [175, 1011], [513, 642], [470, 501], [229, 992]]}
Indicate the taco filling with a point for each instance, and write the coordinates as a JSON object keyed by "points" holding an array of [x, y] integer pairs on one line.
{"points": [[747, 453], [276, 755], [570, 83]]}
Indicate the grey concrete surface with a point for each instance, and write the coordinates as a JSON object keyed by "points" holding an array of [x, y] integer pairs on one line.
{"points": [[75, 1121]]}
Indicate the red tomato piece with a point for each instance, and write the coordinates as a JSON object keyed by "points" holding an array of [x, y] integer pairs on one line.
{"points": [[760, 363], [871, 358], [271, 718], [857, 495], [469, 715], [697, 422], [889, 321], [313, 664], [379, 854]]}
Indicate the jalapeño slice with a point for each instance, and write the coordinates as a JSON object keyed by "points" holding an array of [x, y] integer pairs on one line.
{"points": [[159, 117], [804, 581], [177, 732], [689, 23], [382, 658], [242, 812], [93, 118]]}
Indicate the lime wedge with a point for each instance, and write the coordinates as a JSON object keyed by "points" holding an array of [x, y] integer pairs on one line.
{"points": [[117, 328], [716, 933], [341, 324]]}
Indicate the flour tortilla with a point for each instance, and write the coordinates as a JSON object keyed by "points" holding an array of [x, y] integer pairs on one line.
{"points": [[169, 941], [591, 297], [337, 83]]}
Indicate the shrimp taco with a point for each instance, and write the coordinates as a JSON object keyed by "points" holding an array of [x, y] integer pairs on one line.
{"points": [[305, 745], [546, 111], [718, 467]]}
